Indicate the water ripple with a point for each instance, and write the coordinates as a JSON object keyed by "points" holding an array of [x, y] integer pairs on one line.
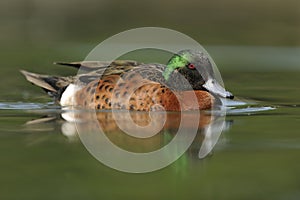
{"points": [[25, 106]]}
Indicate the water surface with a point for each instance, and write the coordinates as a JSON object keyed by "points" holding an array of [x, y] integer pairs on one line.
{"points": [[257, 157]]}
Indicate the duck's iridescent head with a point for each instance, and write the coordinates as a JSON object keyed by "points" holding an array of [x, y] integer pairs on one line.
{"points": [[197, 70]]}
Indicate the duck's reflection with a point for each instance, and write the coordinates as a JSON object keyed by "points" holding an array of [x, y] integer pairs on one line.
{"points": [[143, 132], [140, 132]]}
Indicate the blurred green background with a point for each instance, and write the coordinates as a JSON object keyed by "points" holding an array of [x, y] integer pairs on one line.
{"points": [[256, 46], [230, 22]]}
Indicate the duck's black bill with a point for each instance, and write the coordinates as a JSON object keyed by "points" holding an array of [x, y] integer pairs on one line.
{"points": [[230, 96]]}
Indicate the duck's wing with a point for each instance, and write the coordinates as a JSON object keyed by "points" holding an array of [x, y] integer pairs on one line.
{"points": [[90, 66], [89, 71], [92, 70], [117, 67]]}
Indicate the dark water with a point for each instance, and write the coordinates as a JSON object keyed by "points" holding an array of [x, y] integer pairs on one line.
{"points": [[257, 157]]}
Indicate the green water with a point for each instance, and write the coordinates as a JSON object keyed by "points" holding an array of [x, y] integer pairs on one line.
{"points": [[258, 157]]}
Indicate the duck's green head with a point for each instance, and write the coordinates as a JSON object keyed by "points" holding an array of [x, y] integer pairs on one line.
{"points": [[197, 69]]}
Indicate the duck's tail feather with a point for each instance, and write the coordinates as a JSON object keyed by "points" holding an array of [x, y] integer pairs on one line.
{"points": [[53, 85]]}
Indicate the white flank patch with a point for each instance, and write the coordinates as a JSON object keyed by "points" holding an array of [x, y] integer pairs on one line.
{"points": [[67, 98]]}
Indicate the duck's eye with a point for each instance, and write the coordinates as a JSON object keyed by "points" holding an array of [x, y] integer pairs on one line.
{"points": [[191, 66]]}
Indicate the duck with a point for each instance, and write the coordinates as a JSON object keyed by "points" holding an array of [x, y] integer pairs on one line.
{"points": [[131, 85]]}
